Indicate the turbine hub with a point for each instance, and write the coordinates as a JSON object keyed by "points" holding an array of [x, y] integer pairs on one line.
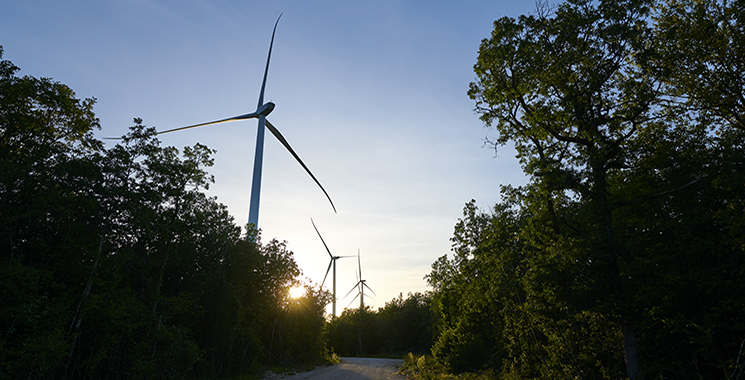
{"points": [[266, 109]]}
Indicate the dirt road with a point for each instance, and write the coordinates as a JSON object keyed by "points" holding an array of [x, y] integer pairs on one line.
{"points": [[354, 369]]}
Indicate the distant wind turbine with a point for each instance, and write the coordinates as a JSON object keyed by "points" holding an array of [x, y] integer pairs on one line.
{"points": [[262, 110], [331, 263], [360, 286]]}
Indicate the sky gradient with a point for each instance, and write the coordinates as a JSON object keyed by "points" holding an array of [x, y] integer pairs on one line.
{"points": [[371, 95]]}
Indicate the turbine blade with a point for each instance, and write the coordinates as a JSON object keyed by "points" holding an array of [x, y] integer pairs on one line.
{"points": [[252, 115], [359, 263], [368, 287], [266, 70], [327, 273], [350, 302], [324, 243], [350, 292], [284, 142]]}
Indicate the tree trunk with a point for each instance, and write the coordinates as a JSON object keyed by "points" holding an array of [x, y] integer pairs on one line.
{"points": [[631, 352]]}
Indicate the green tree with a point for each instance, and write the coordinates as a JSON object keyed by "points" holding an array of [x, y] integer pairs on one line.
{"points": [[117, 265], [354, 333], [48, 223], [629, 187], [467, 296], [699, 53], [300, 328], [564, 88], [405, 324], [684, 250]]}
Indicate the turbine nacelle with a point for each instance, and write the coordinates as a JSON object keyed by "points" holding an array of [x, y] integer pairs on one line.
{"points": [[331, 263], [261, 113], [360, 286], [265, 109]]}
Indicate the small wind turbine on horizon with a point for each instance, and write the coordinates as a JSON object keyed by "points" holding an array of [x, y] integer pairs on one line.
{"points": [[331, 263], [361, 285], [262, 111]]}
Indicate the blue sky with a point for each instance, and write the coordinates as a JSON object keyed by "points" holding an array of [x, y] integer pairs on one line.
{"points": [[371, 95]]}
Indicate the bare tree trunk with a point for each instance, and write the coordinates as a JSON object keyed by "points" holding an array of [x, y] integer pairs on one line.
{"points": [[631, 352]]}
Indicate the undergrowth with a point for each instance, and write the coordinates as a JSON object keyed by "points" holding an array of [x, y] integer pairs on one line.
{"points": [[329, 358], [423, 367]]}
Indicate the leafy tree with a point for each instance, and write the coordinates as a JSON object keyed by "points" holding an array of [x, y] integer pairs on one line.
{"points": [[301, 328], [469, 335], [505, 304], [45, 146], [684, 250], [614, 168], [117, 265], [354, 333], [699, 53], [565, 90], [405, 324]]}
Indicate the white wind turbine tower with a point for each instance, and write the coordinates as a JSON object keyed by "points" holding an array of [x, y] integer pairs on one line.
{"points": [[360, 286], [262, 110], [331, 263]]}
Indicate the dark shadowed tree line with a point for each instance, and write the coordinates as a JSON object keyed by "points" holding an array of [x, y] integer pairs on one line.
{"points": [[403, 325], [624, 255], [115, 264]]}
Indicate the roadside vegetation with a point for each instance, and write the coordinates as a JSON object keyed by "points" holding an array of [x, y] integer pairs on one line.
{"points": [[403, 325], [622, 257], [116, 265]]}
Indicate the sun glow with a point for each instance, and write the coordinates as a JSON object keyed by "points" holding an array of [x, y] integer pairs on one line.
{"points": [[297, 291]]}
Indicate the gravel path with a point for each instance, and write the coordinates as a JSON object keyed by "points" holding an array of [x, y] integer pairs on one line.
{"points": [[353, 369]]}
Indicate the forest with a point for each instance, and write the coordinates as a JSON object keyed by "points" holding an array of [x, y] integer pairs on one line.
{"points": [[115, 264], [623, 256]]}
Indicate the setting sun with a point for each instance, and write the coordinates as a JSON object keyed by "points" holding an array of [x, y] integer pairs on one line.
{"points": [[297, 292]]}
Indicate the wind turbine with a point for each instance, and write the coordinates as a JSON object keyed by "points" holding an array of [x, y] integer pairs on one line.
{"points": [[262, 111], [331, 263], [361, 285]]}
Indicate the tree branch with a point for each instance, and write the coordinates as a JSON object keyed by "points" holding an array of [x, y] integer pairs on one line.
{"points": [[646, 198]]}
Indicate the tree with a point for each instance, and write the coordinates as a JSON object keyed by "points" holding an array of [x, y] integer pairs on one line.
{"points": [[354, 333], [468, 293], [405, 324], [699, 53], [47, 222], [628, 188], [565, 90], [117, 265]]}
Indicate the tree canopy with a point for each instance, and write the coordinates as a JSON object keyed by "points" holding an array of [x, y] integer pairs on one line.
{"points": [[117, 265], [623, 255]]}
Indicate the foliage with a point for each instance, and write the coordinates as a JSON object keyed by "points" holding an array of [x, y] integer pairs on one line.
{"points": [[403, 325], [117, 265], [700, 56], [424, 367], [634, 205]]}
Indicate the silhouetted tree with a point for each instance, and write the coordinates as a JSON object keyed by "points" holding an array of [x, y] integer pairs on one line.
{"points": [[117, 265]]}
